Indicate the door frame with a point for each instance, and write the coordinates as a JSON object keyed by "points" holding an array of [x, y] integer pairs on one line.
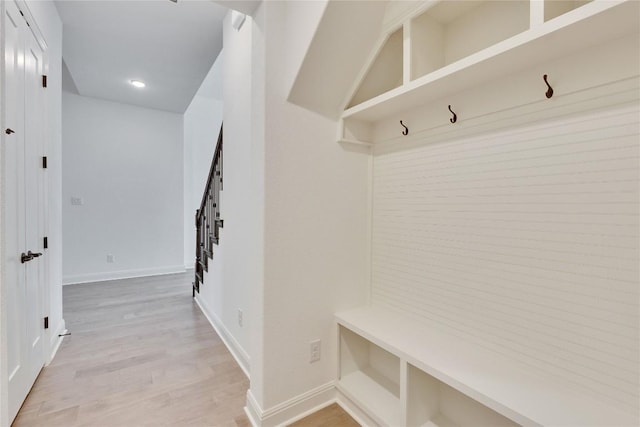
{"points": [[44, 291]]}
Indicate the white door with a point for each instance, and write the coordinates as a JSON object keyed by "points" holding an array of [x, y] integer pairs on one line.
{"points": [[24, 204]]}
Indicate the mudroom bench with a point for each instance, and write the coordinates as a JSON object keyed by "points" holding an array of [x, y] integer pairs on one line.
{"points": [[401, 372]]}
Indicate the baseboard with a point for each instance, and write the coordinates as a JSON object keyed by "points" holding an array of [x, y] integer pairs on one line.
{"points": [[55, 341], [291, 410], [232, 344], [253, 410], [354, 410], [122, 274]]}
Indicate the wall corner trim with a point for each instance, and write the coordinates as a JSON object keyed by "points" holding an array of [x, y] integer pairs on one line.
{"points": [[293, 409], [253, 410], [229, 341], [55, 341]]}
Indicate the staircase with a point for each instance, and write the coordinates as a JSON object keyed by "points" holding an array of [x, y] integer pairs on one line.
{"points": [[208, 222]]}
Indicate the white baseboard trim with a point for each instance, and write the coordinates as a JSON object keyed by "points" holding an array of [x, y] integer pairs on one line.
{"points": [[253, 410], [291, 410], [232, 344], [122, 274], [354, 410], [55, 341]]}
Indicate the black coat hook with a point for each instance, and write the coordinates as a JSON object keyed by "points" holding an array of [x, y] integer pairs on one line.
{"points": [[406, 129], [455, 117], [550, 90]]}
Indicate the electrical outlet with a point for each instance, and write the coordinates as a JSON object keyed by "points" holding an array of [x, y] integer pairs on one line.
{"points": [[314, 351], [240, 319], [111, 259]]}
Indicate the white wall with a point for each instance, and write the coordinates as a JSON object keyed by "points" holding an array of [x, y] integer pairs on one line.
{"points": [[232, 278], [294, 247], [126, 164], [302, 20], [316, 212], [202, 121], [49, 23], [258, 142]]}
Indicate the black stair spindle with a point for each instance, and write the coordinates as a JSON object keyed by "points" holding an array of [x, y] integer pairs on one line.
{"points": [[208, 221]]}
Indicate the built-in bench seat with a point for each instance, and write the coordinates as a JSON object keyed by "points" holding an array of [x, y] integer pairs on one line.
{"points": [[400, 372]]}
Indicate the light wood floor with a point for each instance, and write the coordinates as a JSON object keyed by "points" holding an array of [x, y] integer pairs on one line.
{"points": [[140, 354], [331, 416]]}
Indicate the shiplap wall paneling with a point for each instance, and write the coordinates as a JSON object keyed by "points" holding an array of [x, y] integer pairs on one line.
{"points": [[525, 241]]}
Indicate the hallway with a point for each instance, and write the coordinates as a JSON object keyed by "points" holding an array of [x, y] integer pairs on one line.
{"points": [[140, 353]]}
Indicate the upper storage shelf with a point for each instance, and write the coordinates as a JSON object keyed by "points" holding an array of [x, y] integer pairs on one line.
{"points": [[450, 46], [453, 30]]}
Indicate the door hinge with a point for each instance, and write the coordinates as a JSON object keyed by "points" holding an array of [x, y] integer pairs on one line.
{"points": [[46, 322], [44, 162], [45, 242], [44, 80], [24, 17]]}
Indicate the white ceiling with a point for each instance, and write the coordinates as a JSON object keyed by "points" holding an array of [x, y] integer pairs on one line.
{"points": [[170, 46]]}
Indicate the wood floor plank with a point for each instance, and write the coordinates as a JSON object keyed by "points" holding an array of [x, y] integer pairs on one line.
{"points": [[333, 415], [141, 354]]}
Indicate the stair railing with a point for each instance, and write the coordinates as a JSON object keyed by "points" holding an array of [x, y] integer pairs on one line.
{"points": [[208, 221]]}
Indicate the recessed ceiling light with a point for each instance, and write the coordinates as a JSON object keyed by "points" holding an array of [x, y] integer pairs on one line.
{"points": [[137, 83]]}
